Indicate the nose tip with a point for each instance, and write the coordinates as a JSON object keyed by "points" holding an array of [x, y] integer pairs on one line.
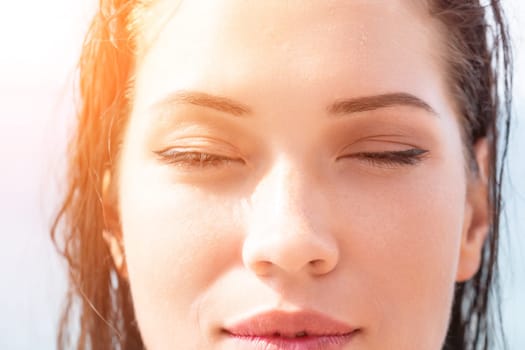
{"points": [[290, 254]]}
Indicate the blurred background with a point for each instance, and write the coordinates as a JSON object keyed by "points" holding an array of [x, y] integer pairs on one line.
{"points": [[39, 44]]}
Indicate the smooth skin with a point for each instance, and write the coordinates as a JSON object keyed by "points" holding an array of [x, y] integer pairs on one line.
{"points": [[254, 176]]}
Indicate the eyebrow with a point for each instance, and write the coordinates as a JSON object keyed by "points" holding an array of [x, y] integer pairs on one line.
{"points": [[197, 98], [338, 108], [369, 103]]}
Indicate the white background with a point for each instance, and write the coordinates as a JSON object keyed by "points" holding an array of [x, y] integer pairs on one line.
{"points": [[39, 46]]}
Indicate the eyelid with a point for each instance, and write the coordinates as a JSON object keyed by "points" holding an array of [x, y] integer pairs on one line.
{"points": [[409, 152], [201, 144], [194, 159], [390, 159]]}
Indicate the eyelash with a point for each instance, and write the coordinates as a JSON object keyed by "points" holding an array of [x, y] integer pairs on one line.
{"points": [[391, 159], [195, 159], [203, 160]]}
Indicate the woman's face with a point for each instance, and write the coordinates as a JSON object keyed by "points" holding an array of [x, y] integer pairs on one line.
{"points": [[292, 177]]}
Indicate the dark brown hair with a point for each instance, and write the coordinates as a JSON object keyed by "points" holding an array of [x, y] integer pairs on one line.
{"points": [[99, 304]]}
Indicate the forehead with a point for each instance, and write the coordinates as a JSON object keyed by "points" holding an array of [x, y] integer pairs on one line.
{"points": [[349, 46]]}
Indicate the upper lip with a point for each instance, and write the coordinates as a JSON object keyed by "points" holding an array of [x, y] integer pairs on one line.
{"points": [[289, 324]]}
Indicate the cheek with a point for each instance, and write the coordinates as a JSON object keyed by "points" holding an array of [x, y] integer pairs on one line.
{"points": [[402, 247], [178, 240]]}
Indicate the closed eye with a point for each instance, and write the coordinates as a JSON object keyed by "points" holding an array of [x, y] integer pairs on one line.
{"points": [[390, 159], [194, 159]]}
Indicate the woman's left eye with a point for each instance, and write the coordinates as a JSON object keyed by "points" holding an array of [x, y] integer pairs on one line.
{"points": [[391, 159], [194, 159]]}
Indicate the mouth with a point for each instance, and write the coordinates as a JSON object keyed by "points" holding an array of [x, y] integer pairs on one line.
{"points": [[302, 330]]}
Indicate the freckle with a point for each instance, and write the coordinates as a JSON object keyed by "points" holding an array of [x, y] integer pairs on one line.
{"points": [[362, 40]]}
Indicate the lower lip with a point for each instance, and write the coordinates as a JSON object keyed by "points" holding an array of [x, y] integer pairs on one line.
{"points": [[329, 342]]}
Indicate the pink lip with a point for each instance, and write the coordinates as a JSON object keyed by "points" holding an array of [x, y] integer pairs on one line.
{"points": [[302, 330]]}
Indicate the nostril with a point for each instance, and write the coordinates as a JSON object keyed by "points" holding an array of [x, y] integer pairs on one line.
{"points": [[320, 266], [262, 267], [317, 264]]}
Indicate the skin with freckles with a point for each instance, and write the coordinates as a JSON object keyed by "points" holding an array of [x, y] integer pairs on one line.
{"points": [[286, 155]]}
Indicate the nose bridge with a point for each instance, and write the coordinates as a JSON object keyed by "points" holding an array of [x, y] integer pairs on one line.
{"points": [[284, 199], [285, 191], [288, 228]]}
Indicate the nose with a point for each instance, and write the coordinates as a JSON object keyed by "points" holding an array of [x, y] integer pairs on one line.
{"points": [[289, 230]]}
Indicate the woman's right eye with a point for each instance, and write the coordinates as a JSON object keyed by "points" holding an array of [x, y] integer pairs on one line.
{"points": [[195, 160]]}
